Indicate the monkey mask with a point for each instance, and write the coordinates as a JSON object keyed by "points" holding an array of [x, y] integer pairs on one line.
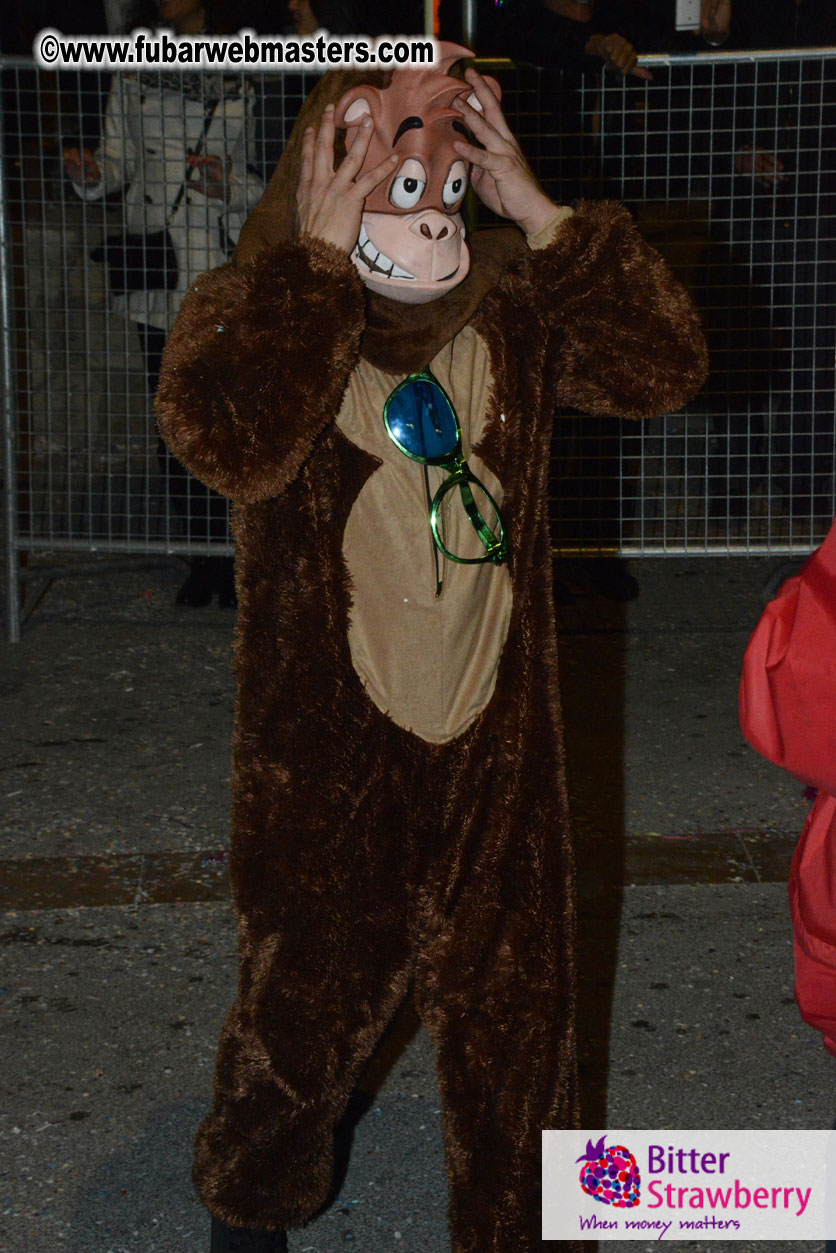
{"points": [[412, 246]]}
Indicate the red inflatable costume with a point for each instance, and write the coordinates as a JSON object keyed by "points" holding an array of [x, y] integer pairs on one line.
{"points": [[788, 713]]}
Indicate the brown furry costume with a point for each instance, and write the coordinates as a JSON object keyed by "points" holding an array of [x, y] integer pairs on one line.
{"points": [[363, 855]]}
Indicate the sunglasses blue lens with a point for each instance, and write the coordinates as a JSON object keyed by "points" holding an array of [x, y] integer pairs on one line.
{"points": [[422, 421]]}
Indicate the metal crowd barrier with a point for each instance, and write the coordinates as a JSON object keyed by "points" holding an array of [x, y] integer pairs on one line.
{"points": [[728, 162], [748, 467]]}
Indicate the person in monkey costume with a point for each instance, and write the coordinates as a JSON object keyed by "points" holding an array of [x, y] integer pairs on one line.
{"points": [[375, 395]]}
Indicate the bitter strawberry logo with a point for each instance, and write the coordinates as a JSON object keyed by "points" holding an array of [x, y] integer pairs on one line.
{"points": [[610, 1175]]}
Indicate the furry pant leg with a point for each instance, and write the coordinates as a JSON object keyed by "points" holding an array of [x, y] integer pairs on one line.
{"points": [[447, 861], [495, 989], [325, 959], [286, 1067]]}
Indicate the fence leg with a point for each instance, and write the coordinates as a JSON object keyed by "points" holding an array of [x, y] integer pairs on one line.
{"points": [[8, 392]]}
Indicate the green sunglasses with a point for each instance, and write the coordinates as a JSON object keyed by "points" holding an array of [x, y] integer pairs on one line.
{"points": [[421, 421]]}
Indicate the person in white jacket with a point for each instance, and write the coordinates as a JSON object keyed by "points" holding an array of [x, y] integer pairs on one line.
{"points": [[180, 144]]}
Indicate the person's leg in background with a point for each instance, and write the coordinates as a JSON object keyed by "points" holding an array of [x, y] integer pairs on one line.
{"points": [[587, 506]]}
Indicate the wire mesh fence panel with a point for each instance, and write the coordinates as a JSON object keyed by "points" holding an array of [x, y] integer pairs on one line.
{"points": [[726, 161], [728, 164], [119, 191]]}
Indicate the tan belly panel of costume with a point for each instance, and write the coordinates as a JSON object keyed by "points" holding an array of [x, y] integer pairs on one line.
{"points": [[428, 661]]}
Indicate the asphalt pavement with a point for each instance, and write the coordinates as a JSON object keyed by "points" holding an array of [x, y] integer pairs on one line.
{"points": [[118, 937]]}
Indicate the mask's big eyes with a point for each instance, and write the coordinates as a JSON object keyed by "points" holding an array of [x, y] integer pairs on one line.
{"points": [[456, 184], [408, 188]]}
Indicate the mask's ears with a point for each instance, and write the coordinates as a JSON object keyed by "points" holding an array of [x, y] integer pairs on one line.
{"points": [[357, 103], [489, 82]]}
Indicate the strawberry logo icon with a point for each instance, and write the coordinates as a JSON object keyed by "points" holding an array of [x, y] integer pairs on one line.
{"points": [[610, 1175]]}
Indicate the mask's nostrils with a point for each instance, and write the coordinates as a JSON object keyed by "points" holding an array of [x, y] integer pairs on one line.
{"points": [[432, 225]]}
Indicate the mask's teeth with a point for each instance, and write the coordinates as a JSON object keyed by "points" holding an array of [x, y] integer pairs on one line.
{"points": [[378, 262]]}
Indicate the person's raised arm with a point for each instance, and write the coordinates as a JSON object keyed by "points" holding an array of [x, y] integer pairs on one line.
{"points": [[258, 360], [625, 336]]}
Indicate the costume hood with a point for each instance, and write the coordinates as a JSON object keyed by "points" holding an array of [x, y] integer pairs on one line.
{"points": [[398, 337]]}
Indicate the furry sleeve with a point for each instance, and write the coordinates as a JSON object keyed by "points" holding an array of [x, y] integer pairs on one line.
{"points": [[624, 337], [256, 366]]}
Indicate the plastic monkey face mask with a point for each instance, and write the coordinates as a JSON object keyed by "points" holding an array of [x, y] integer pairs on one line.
{"points": [[412, 246]]}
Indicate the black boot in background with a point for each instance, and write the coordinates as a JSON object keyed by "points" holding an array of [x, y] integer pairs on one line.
{"points": [[225, 583], [199, 586]]}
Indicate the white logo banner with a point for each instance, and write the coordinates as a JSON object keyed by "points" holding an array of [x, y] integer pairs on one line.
{"points": [[689, 1185]]}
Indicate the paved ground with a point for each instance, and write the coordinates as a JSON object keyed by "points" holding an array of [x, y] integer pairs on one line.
{"points": [[118, 943]]}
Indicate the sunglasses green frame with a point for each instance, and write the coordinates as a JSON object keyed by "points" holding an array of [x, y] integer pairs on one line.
{"points": [[459, 474]]}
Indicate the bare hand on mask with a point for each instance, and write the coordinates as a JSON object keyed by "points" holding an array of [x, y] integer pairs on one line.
{"points": [[329, 202], [501, 176]]}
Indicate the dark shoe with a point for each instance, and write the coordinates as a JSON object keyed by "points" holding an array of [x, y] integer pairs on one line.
{"points": [[245, 1240], [225, 583], [609, 577], [563, 594], [199, 586]]}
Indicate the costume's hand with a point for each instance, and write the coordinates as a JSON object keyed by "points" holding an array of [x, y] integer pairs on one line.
{"points": [[715, 20], [618, 53], [766, 168], [500, 174], [329, 202], [80, 167], [211, 177]]}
